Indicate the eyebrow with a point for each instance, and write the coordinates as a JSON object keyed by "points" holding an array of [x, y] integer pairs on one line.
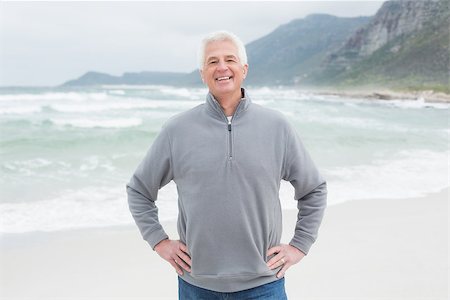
{"points": [[226, 56], [211, 58]]}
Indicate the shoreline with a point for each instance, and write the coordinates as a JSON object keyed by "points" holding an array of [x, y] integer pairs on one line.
{"points": [[367, 249], [32, 235], [427, 96], [381, 93]]}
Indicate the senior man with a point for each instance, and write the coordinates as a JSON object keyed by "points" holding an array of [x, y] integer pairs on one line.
{"points": [[227, 157]]}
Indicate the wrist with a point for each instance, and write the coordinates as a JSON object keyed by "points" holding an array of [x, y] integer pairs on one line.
{"points": [[300, 252], [160, 243]]}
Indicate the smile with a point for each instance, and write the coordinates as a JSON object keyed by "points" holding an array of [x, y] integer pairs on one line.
{"points": [[224, 78]]}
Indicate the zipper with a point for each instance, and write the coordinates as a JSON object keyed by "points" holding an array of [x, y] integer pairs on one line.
{"points": [[230, 140], [230, 150], [230, 147]]}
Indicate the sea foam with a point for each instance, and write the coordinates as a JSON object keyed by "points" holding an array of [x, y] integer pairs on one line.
{"points": [[20, 110], [409, 173], [55, 96], [101, 123], [83, 208]]}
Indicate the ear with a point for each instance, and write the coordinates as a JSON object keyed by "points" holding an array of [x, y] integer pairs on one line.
{"points": [[245, 70]]}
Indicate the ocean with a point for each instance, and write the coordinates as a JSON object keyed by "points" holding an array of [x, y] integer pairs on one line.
{"points": [[67, 154]]}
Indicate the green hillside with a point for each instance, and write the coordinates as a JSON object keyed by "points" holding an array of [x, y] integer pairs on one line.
{"points": [[416, 61], [294, 50]]}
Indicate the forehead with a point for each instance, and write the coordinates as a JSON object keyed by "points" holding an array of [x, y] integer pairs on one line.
{"points": [[220, 48]]}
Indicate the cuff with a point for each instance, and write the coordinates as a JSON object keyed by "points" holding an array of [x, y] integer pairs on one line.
{"points": [[155, 237], [302, 243]]}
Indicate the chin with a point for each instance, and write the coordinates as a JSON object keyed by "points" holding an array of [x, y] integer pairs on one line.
{"points": [[231, 87]]}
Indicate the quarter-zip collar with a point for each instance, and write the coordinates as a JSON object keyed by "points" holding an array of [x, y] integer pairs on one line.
{"points": [[215, 110]]}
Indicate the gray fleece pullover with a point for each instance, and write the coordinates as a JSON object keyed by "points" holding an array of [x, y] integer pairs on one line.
{"points": [[228, 179]]}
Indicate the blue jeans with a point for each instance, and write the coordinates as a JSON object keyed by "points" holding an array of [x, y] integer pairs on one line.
{"points": [[270, 291]]}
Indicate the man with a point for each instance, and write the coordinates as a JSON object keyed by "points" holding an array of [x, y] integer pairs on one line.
{"points": [[227, 158]]}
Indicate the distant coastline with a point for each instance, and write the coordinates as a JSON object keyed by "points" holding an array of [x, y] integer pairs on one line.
{"points": [[387, 94], [369, 93]]}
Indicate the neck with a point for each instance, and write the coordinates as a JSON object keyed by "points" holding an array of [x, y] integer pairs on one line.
{"points": [[229, 102]]}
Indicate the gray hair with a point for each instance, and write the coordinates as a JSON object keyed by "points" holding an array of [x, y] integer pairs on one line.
{"points": [[221, 36]]}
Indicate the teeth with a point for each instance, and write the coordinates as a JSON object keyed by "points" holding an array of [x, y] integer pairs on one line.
{"points": [[223, 78]]}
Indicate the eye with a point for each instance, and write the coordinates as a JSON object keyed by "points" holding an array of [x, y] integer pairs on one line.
{"points": [[231, 60], [212, 62]]}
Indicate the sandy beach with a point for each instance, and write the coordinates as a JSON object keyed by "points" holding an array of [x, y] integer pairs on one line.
{"points": [[367, 249]]}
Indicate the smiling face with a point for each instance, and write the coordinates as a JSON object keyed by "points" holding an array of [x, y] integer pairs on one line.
{"points": [[222, 71]]}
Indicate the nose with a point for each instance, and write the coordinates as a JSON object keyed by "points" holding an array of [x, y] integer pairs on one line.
{"points": [[222, 66]]}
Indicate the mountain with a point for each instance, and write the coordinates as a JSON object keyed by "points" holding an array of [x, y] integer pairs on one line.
{"points": [[96, 78], [406, 44], [93, 78], [294, 50]]}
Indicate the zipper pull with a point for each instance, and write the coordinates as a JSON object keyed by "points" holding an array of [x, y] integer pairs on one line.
{"points": [[229, 125]]}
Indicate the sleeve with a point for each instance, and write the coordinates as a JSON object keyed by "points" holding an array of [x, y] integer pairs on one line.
{"points": [[154, 172], [310, 191]]}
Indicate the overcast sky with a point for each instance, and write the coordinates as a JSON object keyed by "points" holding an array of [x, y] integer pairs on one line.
{"points": [[48, 43]]}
